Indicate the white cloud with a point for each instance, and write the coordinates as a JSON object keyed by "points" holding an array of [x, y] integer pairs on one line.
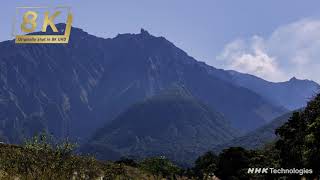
{"points": [[250, 57], [291, 50]]}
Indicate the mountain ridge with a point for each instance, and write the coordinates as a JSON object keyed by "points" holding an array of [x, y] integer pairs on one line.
{"points": [[288, 93], [71, 89]]}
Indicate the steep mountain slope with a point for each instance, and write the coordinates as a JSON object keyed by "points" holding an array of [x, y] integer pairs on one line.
{"points": [[258, 137], [292, 94], [73, 89], [172, 124]]}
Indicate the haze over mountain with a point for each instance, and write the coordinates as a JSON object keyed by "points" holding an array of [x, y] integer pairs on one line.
{"points": [[75, 88]]}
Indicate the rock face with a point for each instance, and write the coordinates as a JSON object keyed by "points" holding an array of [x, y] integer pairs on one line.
{"points": [[172, 124], [73, 89]]}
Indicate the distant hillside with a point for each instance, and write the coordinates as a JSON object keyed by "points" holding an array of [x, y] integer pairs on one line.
{"points": [[259, 137], [172, 124], [292, 94]]}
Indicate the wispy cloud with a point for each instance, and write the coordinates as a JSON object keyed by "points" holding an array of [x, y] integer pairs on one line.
{"points": [[291, 50]]}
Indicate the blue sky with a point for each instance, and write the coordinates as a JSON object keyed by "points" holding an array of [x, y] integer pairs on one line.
{"points": [[272, 39]]}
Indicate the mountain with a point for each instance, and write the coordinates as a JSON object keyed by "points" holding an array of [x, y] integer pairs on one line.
{"points": [[72, 89], [259, 137], [172, 124], [292, 94]]}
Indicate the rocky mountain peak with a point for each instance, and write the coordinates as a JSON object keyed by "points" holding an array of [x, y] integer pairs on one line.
{"points": [[293, 79], [144, 32]]}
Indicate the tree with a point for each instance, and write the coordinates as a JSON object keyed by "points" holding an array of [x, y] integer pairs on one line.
{"points": [[291, 141], [299, 138], [129, 161], [233, 163], [312, 152], [206, 165], [268, 156], [160, 166]]}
